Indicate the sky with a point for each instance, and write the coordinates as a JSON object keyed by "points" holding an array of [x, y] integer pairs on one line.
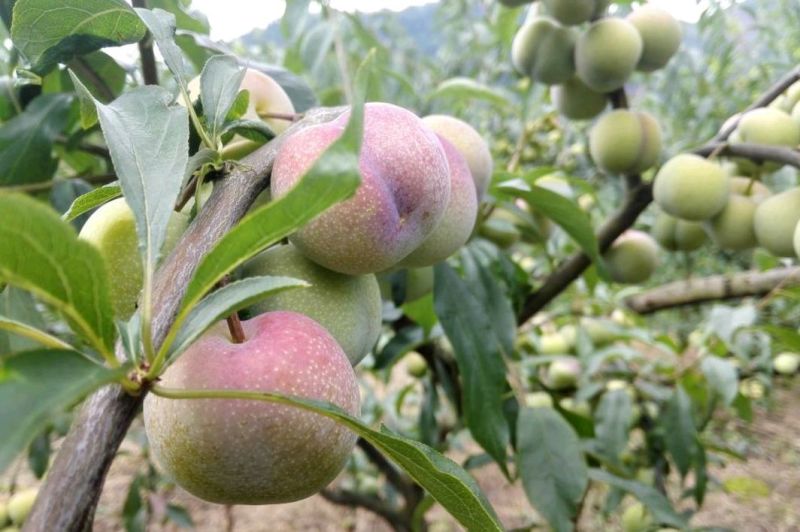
{"points": [[233, 18]]}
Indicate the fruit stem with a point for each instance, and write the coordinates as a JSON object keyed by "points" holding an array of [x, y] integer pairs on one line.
{"points": [[235, 328]]}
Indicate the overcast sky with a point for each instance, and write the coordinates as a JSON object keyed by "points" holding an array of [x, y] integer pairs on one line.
{"points": [[233, 18]]}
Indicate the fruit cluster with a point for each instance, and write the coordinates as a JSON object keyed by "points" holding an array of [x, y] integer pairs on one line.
{"points": [[422, 181]]}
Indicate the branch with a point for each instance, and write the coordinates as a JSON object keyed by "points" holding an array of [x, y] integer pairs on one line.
{"points": [[714, 288], [373, 504], [69, 495], [640, 195], [754, 152], [149, 70]]}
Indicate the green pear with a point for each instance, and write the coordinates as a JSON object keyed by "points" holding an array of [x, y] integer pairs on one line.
{"points": [[112, 230], [349, 307]]}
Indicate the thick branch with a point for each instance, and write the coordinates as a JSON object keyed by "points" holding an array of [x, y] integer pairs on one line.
{"points": [[714, 288], [149, 70], [373, 504], [70, 493], [755, 152]]}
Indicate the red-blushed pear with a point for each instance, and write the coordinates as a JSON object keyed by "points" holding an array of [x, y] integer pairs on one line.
{"points": [[459, 218], [403, 195], [471, 145], [236, 451]]}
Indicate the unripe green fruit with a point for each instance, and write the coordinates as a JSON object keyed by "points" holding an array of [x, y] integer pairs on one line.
{"points": [[786, 363], [599, 331], [678, 235], [632, 258], [607, 53], [20, 505], [500, 228], [563, 373], [3, 514], [733, 227], [419, 283], [752, 389], [10, 529], [625, 142], [775, 222], [349, 307], [796, 114], [112, 230], [692, 188], [636, 518], [576, 101], [234, 451], [600, 7], [570, 12], [769, 126], [459, 218], [515, 3], [580, 408], [661, 36], [797, 240], [538, 400], [470, 144], [416, 365], [553, 344], [544, 50], [750, 188]]}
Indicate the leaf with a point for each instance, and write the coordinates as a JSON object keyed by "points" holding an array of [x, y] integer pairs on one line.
{"points": [[63, 195], [404, 341], [35, 386], [185, 20], [47, 32], [219, 87], [465, 88], [225, 301], [658, 504], [612, 421], [41, 253], [32, 333], [255, 130], [551, 465], [680, 433], [98, 69], [480, 362], [333, 178], [162, 25], [562, 211], [446, 481], [20, 306], [27, 140], [722, 377], [180, 516], [149, 144], [92, 200]]}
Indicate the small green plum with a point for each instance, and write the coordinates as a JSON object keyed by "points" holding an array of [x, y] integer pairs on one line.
{"points": [[544, 50], [607, 53], [625, 142], [632, 258], [786, 363], [691, 188], [678, 235], [661, 36], [775, 222]]}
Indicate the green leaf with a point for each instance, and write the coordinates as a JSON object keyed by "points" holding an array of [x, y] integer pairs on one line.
{"points": [[658, 504], [612, 421], [185, 20], [20, 306], [149, 144], [32, 333], [551, 465], [162, 25], [47, 32], [35, 386], [27, 140], [41, 253], [722, 377], [333, 178], [562, 211], [219, 87], [404, 341], [680, 432], [100, 68], [92, 200], [255, 130], [466, 88], [446, 481], [225, 301], [478, 352]]}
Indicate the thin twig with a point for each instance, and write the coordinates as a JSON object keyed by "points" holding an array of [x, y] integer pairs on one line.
{"points": [[149, 70]]}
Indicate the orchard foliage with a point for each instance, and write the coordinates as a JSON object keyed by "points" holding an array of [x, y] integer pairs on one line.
{"points": [[249, 239]]}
